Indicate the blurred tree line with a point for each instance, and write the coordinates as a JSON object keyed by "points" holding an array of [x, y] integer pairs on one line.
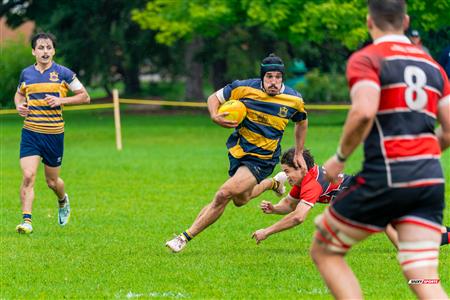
{"points": [[210, 42]]}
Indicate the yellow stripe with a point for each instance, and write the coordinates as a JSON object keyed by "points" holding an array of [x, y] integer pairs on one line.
{"points": [[328, 106], [172, 103], [43, 88], [267, 119], [45, 125], [37, 102], [238, 152], [45, 112], [31, 119], [88, 107], [258, 140], [43, 129], [258, 95], [166, 103]]}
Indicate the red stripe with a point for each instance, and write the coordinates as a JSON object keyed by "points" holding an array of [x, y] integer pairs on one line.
{"points": [[327, 227], [416, 222], [404, 147], [394, 97], [342, 220], [406, 262], [321, 238], [419, 250]]}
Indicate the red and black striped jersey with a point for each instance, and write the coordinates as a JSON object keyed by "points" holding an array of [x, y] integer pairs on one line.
{"points": [[401, 146], [316, 188]]}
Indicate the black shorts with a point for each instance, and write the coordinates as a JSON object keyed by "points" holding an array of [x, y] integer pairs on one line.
{"points": [[260, 168], [371, 206], [48, 146]]}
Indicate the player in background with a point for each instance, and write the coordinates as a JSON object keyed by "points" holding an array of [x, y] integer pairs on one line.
{"points": [[308, 189], [398, 92], [40, 96], [254, 146]]}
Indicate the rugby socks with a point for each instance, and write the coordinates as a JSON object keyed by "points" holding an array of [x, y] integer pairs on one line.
{"points": [[62, 201], [26, 216], [445, 237], [187, 235]]}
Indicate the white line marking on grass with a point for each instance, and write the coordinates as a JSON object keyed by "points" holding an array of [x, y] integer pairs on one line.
{"points": [[314, 291], [176, 295]]}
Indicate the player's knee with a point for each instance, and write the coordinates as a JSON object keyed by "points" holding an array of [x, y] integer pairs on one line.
{"points": [[51, 183], [418, 254], [222, 197], [330, 238], [28, 178], [240, 200]]}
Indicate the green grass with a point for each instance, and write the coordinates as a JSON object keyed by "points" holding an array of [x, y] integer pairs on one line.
{"points": [[127, 204]]}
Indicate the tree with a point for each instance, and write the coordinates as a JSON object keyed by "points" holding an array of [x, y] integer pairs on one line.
{"points": [[103, 47]]}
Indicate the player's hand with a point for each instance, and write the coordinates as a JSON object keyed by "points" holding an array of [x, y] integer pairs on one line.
{"points": [[220, 120], [23, 110], [333, 168], [299, 162], [53, 101], [267, 207], [259, 235]]}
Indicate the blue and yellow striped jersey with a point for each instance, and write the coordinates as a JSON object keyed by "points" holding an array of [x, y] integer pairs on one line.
{"points": [[260, 133], [34, 85]]}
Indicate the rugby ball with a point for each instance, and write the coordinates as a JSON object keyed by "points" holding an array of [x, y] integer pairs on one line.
{"points": [[236, 110]]}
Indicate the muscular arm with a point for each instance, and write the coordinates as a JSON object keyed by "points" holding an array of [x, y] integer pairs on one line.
{"points": [[443, 132], [293, 219], [283, 207], [300, 131], [81, 97], [213, 107]]}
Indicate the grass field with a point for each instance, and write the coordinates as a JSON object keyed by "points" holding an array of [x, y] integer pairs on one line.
{"points": [[127, 204]]}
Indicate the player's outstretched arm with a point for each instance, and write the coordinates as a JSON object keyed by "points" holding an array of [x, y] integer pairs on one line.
{"points": [[291, 220], [283, 207]]}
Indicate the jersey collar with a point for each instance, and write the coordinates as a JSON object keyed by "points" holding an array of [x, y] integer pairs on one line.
{"points": [[392, 38]]}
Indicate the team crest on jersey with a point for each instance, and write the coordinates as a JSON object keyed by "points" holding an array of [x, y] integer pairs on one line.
{"points": [[54, 76], [283, 112]]}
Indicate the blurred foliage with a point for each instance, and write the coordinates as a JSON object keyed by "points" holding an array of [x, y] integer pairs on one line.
{"points": [[97, 38], [14, 56], [324, 87], [110, 41]]}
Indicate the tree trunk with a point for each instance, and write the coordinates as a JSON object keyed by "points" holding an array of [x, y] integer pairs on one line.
{"points": [[219, 69], [131, 79], [194, 71]]}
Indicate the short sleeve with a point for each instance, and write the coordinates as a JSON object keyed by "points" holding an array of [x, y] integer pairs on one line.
{"points": [[70, 78], [295, 192], [362, 69], [21, 86], [311, 191], [300, 114], [445, 99]]}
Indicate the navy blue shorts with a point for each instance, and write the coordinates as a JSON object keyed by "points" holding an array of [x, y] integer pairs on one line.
{"points": [[48, 146], [371, 206], [260, 168]]}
